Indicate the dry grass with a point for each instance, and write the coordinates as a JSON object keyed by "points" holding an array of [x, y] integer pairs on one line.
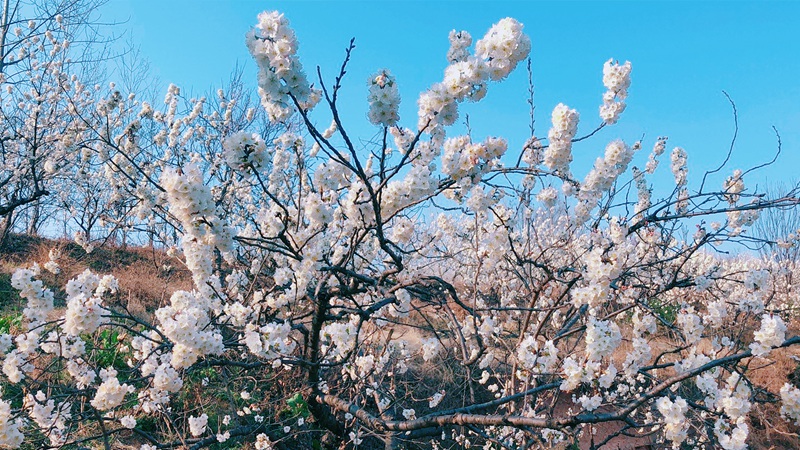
{"points": [[768, 429], [147, 276]]}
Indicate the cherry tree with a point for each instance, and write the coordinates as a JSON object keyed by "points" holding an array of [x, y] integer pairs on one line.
{"points": [[132, 141], [49, 52], [431, 289]]}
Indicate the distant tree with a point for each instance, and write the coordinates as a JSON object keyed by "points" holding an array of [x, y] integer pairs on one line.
{"points": [[779, 228], [49, 50]]}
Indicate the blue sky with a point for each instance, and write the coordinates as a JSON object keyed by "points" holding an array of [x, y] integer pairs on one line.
{"points": [[684, 54]]}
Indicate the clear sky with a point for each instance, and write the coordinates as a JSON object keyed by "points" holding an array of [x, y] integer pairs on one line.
{"points": [[684, 54]]}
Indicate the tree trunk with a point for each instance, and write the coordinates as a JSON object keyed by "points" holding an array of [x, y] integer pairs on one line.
{"points": [[33, 220], [5, 228]]}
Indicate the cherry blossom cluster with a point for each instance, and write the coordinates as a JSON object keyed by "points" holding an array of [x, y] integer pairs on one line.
{"points": [[658, 150], [771, 334], [678, 164], [245, 151], [383, 99], [535, 359], [547, 196], [790, 402], [675, 425], [617, 79], [605, 172], [460, 41], [496, 55], [185, 322], [190, 200], [10, 427], [51, 418], [39, 299], [110, 393], [558, 155], [281, 79], [463, 158], [733, 187]]}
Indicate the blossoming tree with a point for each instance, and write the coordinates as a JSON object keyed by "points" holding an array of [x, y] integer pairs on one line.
{"points": [[50, 54], [536, 308]]}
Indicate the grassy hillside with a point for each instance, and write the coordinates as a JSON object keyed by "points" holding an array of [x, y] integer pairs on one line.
{"points": [[147, 276]]}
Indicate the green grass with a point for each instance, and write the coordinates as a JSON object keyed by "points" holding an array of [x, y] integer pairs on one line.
{"points": [[104, 350], [667, 311], [9, 321], [296, 406]]}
